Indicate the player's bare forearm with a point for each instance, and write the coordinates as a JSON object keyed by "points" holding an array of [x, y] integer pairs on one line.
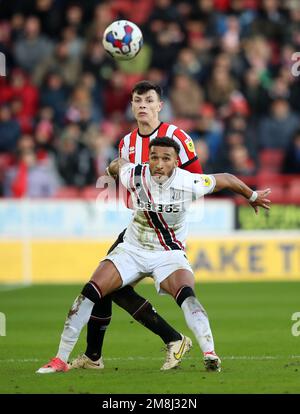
{"points": [[114, 167], [255, 198], [231, 182]]}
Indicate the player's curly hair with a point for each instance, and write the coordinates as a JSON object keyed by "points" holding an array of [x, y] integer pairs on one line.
{"points": [[165, 142]]}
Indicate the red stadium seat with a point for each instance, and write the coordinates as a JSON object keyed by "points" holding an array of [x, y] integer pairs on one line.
{"points": [[90, 193], [5, 160], [278, 194], [66, 193], [294, 192], [271, 159]]}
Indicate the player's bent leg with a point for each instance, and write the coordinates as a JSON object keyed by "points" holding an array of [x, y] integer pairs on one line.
{"points": [[143, 312], [80, 312], [180, 285], [96, 328], [106, 277]]}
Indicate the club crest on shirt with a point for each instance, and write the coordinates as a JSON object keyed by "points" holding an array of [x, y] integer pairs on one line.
{"points": [[190, 144], [175, 194], [131, 150]]}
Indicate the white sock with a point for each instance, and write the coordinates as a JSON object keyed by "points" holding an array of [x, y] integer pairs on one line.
{"points": [[78, 316], [197, 320]]}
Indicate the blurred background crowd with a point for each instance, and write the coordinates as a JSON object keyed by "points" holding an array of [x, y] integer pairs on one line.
{"points": [[225, 67]]}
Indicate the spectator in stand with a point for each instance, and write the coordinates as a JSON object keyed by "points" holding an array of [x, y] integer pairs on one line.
{"points": [[75, 43], [30, 178], [9, 130], [24, 98], [240, 162], [60, 61], [97, 62], [101, 146], [186, 96], [33, 48], [276, 130], [116, 95], [103, 16], [74, 160], [168, 39], [81, 108], [270, 21], [74, 18], [220, 86], [203, 154], [255, 93], [54, 94], [209, 129], [188, 64], [50, 16], [164, 10], [291, 161]]}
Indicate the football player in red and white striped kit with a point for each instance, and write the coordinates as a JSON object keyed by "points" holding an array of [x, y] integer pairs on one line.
{"points": [[134, 147]]}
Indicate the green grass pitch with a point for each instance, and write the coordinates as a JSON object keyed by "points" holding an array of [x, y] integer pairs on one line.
{"points": [[251, 324]]}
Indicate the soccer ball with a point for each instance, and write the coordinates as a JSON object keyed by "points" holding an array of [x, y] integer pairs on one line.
{"points": [[122, 40]]}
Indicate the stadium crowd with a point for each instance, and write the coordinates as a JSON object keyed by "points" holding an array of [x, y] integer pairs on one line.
{"points": [[225, 67]]}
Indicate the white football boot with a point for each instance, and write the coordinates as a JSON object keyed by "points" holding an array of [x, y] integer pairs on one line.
{"points": [[175, 352], [84, 362]]}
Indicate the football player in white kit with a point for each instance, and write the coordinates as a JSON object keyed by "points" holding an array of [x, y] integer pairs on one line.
{"points": [[154, 244]]}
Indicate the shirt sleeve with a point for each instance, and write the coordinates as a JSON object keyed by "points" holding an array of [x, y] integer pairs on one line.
{"points": [[193, 166], [123, 150], [126, 174], [203, 184], [187, 152]]}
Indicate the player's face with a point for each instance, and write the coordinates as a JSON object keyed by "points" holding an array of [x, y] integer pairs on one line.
{"points": [[162, 161], [146, 107]]}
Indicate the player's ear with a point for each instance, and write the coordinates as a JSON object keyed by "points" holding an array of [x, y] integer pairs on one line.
{"points": [[160, 105], [177, 162]]}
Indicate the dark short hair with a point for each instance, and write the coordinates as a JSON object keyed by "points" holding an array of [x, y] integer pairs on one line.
{"points": [[165, 142], [144, 86]]}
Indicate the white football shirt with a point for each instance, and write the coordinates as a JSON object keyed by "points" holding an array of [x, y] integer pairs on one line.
{"points": [[159, 219]]}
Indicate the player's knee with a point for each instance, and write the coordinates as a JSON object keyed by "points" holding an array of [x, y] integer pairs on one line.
{"points": [[92, 291], [183, 293], [102, 310], [129, 300]]}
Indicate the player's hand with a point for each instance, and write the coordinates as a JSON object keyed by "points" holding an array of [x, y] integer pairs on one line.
{"points": [[262, 200]]}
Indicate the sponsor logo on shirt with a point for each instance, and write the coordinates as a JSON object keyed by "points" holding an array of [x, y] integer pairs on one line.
{"points": [[190, 145]]}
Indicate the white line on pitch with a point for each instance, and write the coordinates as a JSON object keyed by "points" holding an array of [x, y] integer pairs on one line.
{"points": [[135, 358], [8, 288]]}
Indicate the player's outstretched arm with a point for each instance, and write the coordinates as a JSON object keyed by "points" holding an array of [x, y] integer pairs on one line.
{"points": [[113, 170], [256, 198]]}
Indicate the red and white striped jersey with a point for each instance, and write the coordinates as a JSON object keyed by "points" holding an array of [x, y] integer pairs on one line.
{"points": [[159, 221], [134, 146]]}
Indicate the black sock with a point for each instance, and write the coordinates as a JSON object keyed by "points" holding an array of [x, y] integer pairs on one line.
{"points": [[143, 312], [96, 327]]}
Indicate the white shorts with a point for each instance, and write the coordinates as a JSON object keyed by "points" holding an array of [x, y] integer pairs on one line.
{"points": [[134, 263]]}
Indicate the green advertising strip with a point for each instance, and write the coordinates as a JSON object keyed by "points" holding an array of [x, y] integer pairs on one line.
{"points": [[280, 217]]}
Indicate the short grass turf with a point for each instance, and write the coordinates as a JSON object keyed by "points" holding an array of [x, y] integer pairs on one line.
{"points": [[251, 323]]}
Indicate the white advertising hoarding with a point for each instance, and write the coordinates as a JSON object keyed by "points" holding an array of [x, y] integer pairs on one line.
{"points": [[88, 219]]}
